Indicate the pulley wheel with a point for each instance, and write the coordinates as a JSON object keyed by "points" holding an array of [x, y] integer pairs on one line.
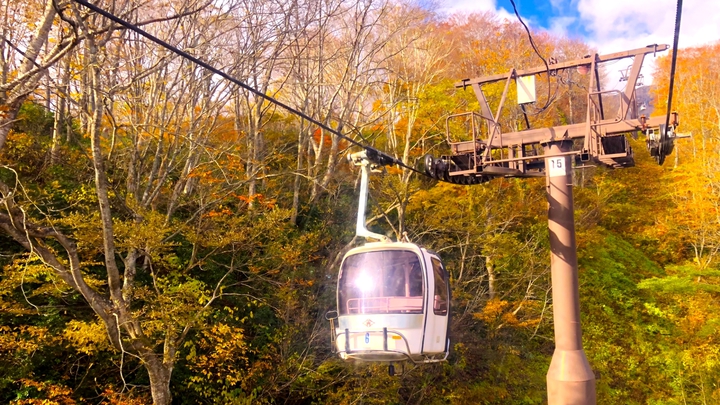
{"points": [[429, 163], [665, 145]]}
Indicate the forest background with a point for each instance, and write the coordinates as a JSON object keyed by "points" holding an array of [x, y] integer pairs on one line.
{"points": [[167, 237]]}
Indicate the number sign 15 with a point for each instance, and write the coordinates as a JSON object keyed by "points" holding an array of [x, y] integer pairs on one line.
{"points": [[556, 166]]}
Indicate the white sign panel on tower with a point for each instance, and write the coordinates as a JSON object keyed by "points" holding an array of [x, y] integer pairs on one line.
{"points": [[526, 89], [556, 166]]}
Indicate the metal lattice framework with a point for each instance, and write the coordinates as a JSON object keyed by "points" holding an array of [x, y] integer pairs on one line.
{"points": [[600, 140]]}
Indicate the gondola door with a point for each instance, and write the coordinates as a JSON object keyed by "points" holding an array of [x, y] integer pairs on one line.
{"points": [[435, 339]]}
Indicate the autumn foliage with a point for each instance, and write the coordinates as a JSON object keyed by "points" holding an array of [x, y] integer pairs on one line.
{"points": [[167, 237]]}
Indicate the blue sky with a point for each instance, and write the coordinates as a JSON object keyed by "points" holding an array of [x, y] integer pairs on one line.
{"points": [[609, 25]]}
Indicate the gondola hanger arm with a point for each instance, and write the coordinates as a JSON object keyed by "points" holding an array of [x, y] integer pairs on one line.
{"points": [[366, 166]]}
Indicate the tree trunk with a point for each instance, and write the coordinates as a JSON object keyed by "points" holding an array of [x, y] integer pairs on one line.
{"points": [[159, 374], [55, 147], [15, 97], [491, 277], [296, 182], [60, 123]]}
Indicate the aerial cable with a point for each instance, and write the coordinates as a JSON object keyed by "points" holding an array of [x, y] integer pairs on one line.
{"points": [[550, 98], [678, 14], [374, 155]]}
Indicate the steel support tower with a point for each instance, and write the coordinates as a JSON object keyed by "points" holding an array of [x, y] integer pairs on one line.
{"points": [[483, 152]]}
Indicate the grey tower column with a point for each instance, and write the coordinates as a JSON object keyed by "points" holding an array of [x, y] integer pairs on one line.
{"points": [[570, 380]]}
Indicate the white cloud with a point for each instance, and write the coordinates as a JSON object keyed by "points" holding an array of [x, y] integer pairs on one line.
{"points": [[558, 4], [619, 25], [559, 26], [469, 5], [616, 25]]}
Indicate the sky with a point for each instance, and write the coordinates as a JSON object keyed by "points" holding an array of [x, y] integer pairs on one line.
{"points": [[609, 25]]}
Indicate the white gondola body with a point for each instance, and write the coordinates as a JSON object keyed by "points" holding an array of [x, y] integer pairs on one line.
{"points": [[393, 304]]}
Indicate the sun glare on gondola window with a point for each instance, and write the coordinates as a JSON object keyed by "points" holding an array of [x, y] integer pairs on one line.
{"points": [[364, 282]]}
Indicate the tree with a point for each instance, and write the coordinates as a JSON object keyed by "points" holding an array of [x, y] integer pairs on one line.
{"points": [[416, 64], [340, 59], [185, 242], [22, 70], [687, 291], [696, 216], [126, 231]]}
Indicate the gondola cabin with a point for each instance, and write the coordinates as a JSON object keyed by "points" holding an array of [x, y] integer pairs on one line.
{"points": [[393, 298], [393, 303]]}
